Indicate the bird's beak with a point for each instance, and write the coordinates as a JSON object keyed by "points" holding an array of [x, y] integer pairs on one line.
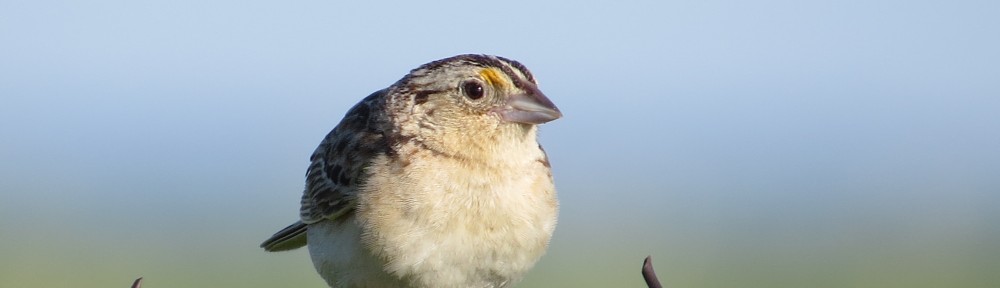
{"points": [[531, 107]]}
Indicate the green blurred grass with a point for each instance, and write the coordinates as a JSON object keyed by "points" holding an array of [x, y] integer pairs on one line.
{"points": [[578, 258]]}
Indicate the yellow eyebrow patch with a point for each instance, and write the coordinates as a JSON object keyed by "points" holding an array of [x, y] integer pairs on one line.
{"points": [[493, 77]]}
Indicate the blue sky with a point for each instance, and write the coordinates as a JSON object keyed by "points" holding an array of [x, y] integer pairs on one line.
{"points": [[763, 143]]}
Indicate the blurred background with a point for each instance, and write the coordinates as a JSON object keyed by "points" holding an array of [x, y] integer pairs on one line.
{"points": [[741, 143]]}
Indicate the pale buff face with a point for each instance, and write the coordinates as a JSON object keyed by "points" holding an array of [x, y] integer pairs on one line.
{"points": [[464, 108]]}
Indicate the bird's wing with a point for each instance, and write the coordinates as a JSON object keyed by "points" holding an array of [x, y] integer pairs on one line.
{"points": [[336, 171], [338, 163]]}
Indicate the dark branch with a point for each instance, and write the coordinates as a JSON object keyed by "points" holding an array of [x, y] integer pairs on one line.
{"points": [[648, 274], [137, 283]]}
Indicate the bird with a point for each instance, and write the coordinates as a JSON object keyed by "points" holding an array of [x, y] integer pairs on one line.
{"points": [[436, 181]]}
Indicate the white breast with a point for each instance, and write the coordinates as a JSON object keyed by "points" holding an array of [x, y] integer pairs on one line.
{"points": [[440, 222]]}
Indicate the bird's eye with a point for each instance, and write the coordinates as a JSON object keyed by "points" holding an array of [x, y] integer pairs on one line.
{"points": [[473, 89]]}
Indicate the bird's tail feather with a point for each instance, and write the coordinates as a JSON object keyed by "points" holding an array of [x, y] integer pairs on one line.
{"points": [[292, 237]]}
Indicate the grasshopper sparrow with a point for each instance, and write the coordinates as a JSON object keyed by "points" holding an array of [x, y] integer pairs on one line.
{"points": [[436, 181]]}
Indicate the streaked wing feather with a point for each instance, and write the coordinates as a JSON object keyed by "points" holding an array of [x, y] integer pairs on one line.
{"points": [[339, 162]]}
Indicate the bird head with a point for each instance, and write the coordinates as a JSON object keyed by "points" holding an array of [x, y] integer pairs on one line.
{"points": [[470, 101]]}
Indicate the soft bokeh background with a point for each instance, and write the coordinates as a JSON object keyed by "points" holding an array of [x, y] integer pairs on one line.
{"points": [[742, 143]]}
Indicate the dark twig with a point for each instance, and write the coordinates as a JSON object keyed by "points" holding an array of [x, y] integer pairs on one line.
{"points": [[137, 283], [648, 274]]}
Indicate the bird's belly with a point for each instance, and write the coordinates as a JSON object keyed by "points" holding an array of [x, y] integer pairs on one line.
{"points": [[477, 231]]}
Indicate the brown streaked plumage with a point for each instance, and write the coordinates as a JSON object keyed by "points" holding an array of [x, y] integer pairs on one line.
{"points": [[436, 181]]}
